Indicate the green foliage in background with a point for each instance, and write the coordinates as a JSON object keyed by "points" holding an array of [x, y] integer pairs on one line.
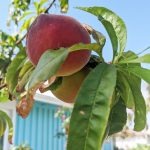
{"points": [[105, 94]]}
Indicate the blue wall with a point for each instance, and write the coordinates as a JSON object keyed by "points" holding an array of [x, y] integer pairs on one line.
{"points": [[40, 129], [108, 145]]}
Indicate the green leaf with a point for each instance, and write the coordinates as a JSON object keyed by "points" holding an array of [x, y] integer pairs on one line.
{"points": [[5, 118], [27, 24], [13, 70], [99, 38], [125, 90], [4, 95], [36, 5], [42, 10], [112, 34], [26, 13], [113, 24], [24, 80], [140, 72], [92, 108], [118, 117], [27, 65], [126, 55], [140, 106], [3, 125], [142, 59], [122, 82], [4, 36], [47, 66], [93, 46], [4, 63], [135, 85], [64, 5]]}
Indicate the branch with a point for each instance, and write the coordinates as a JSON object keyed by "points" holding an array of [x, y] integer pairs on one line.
{"points": [[51, 4], [46, 11], [20, 40]]}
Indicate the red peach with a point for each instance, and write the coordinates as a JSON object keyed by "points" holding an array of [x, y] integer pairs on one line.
{"points": [[51, 31]]}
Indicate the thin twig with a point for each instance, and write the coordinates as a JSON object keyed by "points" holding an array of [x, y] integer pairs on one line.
{"points": [[51, 4], [143, 50], [20, 40], [46, 11]]}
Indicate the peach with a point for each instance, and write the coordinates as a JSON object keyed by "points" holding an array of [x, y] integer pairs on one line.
{"points": [[70, 86], [51, 31]]}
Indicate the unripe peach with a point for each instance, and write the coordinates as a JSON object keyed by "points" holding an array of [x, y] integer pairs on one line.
{"points": [[54, 31], [70, 86]]}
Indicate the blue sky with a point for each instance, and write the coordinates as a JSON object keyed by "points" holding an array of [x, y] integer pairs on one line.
{"points": [[135, 13]]}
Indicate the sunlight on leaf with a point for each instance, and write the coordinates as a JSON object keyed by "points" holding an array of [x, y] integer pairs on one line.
{"points": [[92, 108], [47, 66], [113, 24]]}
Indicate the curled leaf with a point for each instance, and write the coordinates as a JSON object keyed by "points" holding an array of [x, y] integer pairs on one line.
{"points": [[97, 36], [25, 105], [113, 24]]}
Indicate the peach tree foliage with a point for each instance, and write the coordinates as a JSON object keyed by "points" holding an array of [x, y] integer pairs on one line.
{"points": [[110, 88], [12, 48]]}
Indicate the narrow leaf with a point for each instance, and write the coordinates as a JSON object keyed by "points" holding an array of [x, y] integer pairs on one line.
{"points": [[118, 117], [47, 66], [92, 107], [9, 123], [3, 125], [140, 72], [26, 14], [24, 80], [93, 46], [140, 106], [115, 22], [27, 65], [36, 5], [13, 70], [124, 90], [26, 24], [127, 55], [122, 83], [112, 34], [142, 59]]}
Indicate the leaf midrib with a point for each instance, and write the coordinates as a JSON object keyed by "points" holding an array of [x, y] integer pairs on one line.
{"points": [[92, 109]]}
